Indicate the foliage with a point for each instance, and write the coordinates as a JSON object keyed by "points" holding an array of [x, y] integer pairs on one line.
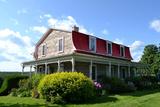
{"points": [[116, 85], [57, 99], [35, 79], [9, 83], [151, 56], [144, 82], [35, 93], [71, 86]]}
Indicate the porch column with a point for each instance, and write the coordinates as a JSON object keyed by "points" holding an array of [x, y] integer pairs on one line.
{"points": [[90, 73], [129, 70], [110, 69], [58, 70], [36, 69], [118, 71], [23, 69], [30, 73], [45, 68], [73, 64], [48, 69]]}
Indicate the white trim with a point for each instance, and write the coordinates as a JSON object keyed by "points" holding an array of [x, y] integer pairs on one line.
{"points": [[62, 38], [123, 51], [108, 42], [95, 43]]}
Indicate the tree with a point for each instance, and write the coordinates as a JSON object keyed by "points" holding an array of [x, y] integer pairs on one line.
{"points": [[151, 56]]}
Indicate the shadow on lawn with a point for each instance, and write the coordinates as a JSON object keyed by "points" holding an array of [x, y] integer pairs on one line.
{"points": [[142, 93], [26, 105]]}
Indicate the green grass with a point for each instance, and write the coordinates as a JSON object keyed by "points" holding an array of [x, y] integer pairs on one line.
{"points": [[136, 99]]}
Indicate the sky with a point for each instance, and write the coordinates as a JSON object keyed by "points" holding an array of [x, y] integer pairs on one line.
{"points": [[134, 23]]}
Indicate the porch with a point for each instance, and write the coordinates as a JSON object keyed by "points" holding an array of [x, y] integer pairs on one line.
{"points": [[92, 66]]}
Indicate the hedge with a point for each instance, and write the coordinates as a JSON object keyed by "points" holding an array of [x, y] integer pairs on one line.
{"points": [[9, 83]]}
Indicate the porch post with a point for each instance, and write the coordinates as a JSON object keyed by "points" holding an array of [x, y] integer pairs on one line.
{"points": [[110, 69], [129, 70], [36, 69], [90, 73], [73, 64], [118, 71], [48, 69], [45, 68], [58, 70], [30, 73], [23, 69]]}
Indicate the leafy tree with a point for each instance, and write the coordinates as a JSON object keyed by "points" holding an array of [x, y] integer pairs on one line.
{"points": [[151, 56]]}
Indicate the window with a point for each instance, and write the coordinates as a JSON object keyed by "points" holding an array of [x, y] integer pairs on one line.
{"points": [[92, 44], [44, 49], [122, 54], [60, 45], [109, 48]]}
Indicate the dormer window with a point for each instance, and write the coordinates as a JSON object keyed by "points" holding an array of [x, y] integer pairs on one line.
{"points": [[44, 49], [122, 51], [92, 44], [60, 45], [109, 48]]}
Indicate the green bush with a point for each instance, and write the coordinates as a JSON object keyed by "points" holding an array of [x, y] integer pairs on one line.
{"points": [[71, 86], [35, 79], [144, 82], [116, 85], [9, 83]]}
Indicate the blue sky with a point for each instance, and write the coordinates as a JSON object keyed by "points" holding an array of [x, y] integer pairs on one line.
{"points": [[134, 23]]}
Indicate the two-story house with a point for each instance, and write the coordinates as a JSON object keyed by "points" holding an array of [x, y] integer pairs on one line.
{"points": [[60, 50]]}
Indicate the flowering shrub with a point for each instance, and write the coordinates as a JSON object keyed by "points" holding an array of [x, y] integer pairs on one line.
{"points": [[98, 88]]}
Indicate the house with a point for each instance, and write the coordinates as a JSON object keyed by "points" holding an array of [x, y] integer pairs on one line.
{"points": [[60, 50]]}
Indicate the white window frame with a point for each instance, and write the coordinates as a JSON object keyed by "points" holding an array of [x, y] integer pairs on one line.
{"points": [[62, 45], [108, 42], [44, 49], [121, 51], [95, 43], [95, 72]]}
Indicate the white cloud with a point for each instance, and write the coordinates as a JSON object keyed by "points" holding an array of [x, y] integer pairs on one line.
{"points": [[105, 32], [137, 50], [40, 29], [13, 52], [65, 23], [22, 11], [155, 24], [119, 41]]}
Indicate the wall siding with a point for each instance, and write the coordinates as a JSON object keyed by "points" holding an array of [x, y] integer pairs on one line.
{"points": [[52, 44]]}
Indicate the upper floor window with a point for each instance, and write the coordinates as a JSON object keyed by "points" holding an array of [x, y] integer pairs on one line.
{"points": [[44, 49], [92, 44], [109, 48], [122, 51], [60, 45]]}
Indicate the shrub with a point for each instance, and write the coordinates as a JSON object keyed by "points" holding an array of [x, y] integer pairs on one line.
{"points": [[71, 86], [9, 83], [35, 79], [144, 82], [116, 85], [35, 93]]}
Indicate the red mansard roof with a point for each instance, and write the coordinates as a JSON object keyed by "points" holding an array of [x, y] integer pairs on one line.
{"points": [[81, 43]]}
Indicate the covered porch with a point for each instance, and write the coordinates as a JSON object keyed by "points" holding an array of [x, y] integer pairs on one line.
{"points": [[92, 66]]}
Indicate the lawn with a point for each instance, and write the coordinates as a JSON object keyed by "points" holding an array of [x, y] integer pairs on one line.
{"points": [[136, 99]]}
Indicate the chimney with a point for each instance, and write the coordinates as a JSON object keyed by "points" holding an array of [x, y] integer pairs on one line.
{"points": [[75, 28]]}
